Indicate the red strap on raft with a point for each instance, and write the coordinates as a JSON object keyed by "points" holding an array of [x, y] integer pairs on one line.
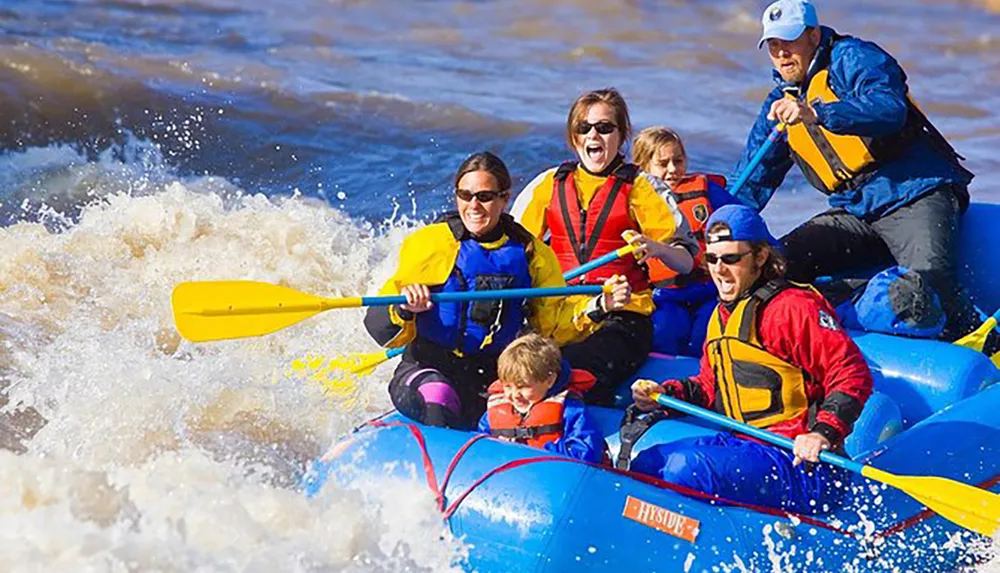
{"points": [[450, 509], [428, 464], [447, 512], [451, 467], [502, 468]]}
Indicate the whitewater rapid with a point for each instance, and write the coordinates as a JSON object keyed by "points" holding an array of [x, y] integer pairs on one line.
{"points": [[154, 453]]}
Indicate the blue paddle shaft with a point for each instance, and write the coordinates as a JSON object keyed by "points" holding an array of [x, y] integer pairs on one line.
{"points": [[755, 160], [746, 429], [586, 268], [487, 295], [603, 260]]}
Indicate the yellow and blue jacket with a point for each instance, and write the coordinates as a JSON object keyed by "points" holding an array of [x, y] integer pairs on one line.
{"points": [[445, 257]]}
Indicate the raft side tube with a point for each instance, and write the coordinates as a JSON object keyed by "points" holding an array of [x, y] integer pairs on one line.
{"points": [[977, 257], [961, 443], [549, 515], [924, 376]]}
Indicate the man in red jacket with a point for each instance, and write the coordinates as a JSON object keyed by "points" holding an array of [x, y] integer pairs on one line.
{"points": [[775, 357]]}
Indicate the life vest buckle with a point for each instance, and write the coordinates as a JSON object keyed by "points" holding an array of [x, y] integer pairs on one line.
{"points": [[522, 433]]}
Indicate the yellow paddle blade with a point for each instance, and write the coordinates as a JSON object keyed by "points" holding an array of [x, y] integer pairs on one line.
{"points": [[219, 310], [340, 374], [963, 504], [359, 364], [977, 338]]}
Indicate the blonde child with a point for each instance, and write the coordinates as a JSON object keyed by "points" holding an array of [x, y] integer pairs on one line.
{"points": [[536, 402], [684, 303]]}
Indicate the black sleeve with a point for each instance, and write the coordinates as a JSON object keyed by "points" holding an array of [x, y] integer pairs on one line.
{"points": [[380, 326]]}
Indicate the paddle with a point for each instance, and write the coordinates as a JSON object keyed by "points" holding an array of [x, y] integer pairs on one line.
{"points": [[358, 365], [977, 338], [219, 310], [598, 262], [965, 505], [757, 157], [353, 366]]}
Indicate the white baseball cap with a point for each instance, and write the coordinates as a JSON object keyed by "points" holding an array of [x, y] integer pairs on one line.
{"points": [[787, 19]]}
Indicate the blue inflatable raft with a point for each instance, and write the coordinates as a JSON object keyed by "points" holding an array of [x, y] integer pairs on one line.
{"points": [[934, 412]]}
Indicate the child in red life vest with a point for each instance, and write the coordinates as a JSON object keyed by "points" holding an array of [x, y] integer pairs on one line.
{"points": [[536, 402], [683, 302]]}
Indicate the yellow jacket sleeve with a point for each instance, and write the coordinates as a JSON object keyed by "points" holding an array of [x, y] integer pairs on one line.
{"points": [[564, 319], [427, 257], [532, 203]]}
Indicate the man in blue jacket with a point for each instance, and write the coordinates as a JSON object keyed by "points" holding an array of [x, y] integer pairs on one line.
{"points": [[896, 187]]}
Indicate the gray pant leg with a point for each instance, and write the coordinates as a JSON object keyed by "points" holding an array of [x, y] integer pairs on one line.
{"points": [[923, 236], [833, 242]]}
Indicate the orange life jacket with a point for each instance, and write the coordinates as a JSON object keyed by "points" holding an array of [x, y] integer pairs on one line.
{"points": [[691, 195], [579, 235], [543, 424]]}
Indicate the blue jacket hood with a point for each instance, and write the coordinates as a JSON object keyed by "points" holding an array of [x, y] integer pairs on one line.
{"points": [[562, 380]]}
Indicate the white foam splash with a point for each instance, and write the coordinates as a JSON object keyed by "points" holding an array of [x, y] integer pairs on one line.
{"points": [[160, 454], [993, 552]]}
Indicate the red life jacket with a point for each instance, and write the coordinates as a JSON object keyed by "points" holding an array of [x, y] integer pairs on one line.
{"points": [[543, 424], [580, 235], [691, 195]]}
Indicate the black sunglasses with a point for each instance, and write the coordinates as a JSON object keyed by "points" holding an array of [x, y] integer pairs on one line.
{"points": [[727, 259], [481, 196], [603, 127]]}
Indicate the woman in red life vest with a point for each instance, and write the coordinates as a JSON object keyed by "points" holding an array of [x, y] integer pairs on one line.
{"points": [[775, 358], [683, 301], [585, 206], [536, 402]]}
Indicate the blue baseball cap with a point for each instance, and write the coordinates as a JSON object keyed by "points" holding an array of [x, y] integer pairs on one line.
{"points": [[744, 224], [787, 19]]}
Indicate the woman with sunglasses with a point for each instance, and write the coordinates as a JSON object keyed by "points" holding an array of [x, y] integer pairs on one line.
{"points": [[775, 358], [452, 348], [586, 206]]}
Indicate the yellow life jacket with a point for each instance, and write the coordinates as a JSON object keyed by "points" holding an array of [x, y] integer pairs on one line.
{"points": [[833, 163], [836, 163], [752, 385]]}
